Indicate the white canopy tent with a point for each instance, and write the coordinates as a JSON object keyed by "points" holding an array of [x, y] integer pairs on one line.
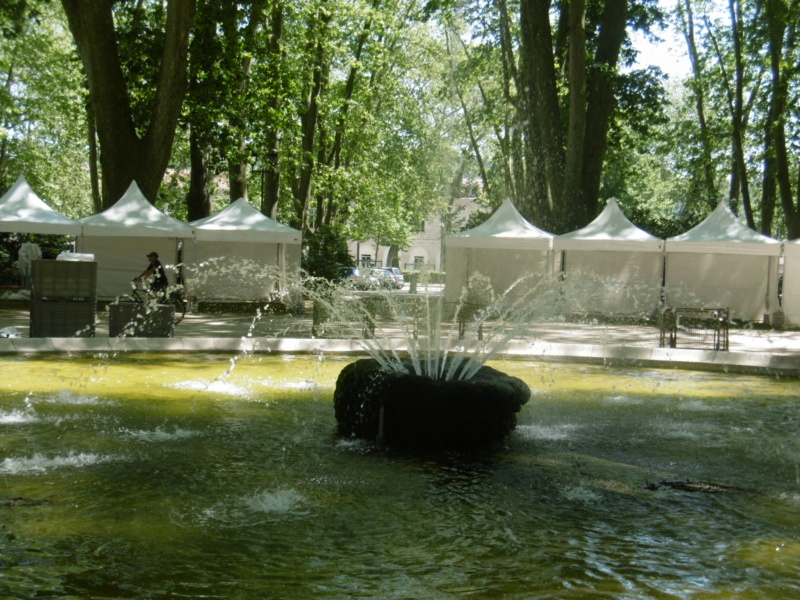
{"points": [[790, 299], [235, 251], [610, 266], [22, 211], [722, 263], [121, 236], [504, 248]]}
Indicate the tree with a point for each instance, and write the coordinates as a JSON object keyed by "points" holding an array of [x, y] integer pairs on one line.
{"points": [[784, 56], [131, 149], [697, 85], [745, 85], [550, 95], [325, 253], [564, 165], [43, 111]]}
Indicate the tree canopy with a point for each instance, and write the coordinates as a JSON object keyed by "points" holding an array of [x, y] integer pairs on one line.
{"points": [[369, 115]]}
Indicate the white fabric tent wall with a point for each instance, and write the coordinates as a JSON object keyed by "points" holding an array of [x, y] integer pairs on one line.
{"points": [[612, 282], [22, 211], [610, 267], [504, 248], [722, 263], [790, 300], [503, 266], [237, 252], [120, 259], [236, 270], [121, 236]]}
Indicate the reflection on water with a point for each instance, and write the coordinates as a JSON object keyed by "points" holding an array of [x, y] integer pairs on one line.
{"points": [[154, 477]]}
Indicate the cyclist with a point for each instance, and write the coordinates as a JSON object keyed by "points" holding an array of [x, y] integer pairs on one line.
{"points": [[154, 273]]}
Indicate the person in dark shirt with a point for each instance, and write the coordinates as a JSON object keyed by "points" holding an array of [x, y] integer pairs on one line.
{"points": [[154, 273]]}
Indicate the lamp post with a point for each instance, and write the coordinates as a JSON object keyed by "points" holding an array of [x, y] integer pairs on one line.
{"points": [[270, 168]]}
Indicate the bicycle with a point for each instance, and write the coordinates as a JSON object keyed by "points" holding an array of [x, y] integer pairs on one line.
{"points": [[173, 296]]}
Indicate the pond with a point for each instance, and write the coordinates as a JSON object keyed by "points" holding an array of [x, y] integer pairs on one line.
{"points": [[165, 476]]}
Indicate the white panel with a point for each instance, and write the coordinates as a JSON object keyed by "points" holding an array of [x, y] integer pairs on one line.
{"points": [[736, 281], [612, 283], [120, 259]]}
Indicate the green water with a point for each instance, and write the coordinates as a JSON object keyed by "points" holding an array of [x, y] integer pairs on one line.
{"points": [[159, 477]]}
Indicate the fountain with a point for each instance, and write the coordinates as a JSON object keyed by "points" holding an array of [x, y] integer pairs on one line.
{"points": [[399, 407], [426, 383], [219, 476], [435, 389]]}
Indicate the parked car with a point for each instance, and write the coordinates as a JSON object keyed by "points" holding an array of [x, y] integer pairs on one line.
{"points": [[385, 277], [399, 280], [358, 280]]}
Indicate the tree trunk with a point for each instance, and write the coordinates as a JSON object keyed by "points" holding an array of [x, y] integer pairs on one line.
{"points": [[6, 125], [238, 167], [735, 7], [237, 175], [696, 85], [308, 126], [202, 61], [600, 106], [125, 156], [272, 178], [542, 117], [776, 20], [576, 129], [198, 201], [739, 179], [335, 158], [272, 183], [473, 140], [91, 132], [515, 163], [564, 166]]}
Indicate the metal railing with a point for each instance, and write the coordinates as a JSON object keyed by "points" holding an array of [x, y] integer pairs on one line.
{"points": [[695, 328]]}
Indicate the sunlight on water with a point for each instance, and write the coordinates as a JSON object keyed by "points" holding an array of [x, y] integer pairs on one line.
{"points": [[216, 386], [17, 416], [69, 397], [243, 511], [160, 434], [280, 501], [39, 463], [540, 432], [160, 477]]}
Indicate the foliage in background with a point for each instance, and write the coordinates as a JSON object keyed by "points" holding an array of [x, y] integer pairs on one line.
{"points": [[42, 112], [10, 243], [325, 253], [380, 111]]}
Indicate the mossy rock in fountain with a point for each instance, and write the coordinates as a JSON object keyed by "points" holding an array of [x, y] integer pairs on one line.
{"points": [[420, 411]]}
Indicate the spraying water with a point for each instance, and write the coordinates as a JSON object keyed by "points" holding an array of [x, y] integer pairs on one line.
{"points": [[443, 340]]}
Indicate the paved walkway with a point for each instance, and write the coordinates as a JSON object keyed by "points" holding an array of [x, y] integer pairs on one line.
{"points": [[750, 350]]}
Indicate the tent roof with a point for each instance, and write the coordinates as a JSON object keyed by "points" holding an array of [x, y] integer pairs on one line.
{"points": [[506, 228], [792, 247], [22, 211], [242, 222], [133, 216], [611, 230], [722, 233]]}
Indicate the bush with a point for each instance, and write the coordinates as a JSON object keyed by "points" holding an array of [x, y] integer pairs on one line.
{"points": [[425, 276]]}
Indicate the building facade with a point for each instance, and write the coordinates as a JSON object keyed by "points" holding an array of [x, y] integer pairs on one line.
{"points": [[426, 250]]}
